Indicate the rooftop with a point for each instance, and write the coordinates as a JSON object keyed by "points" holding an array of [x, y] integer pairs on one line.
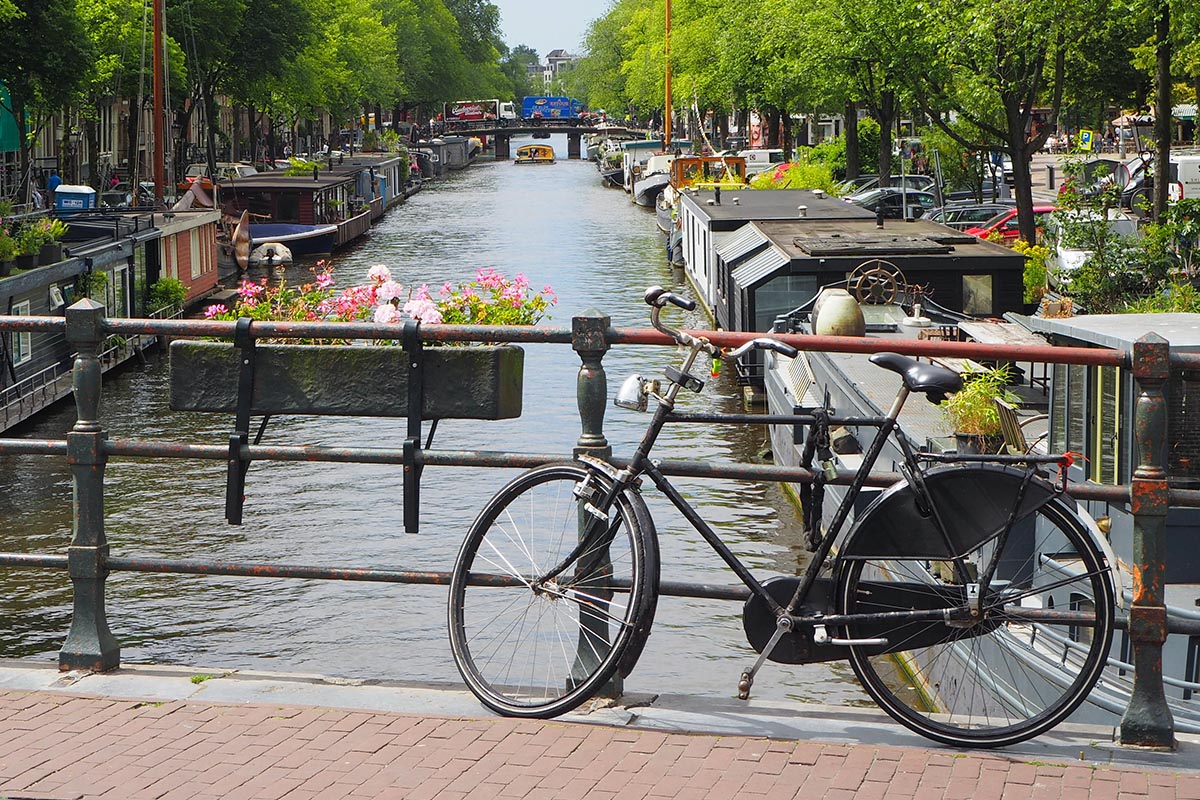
{"points": [[1120, 331]]}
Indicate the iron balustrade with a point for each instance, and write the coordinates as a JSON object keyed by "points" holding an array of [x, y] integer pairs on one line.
{"points": [[90, 644]]}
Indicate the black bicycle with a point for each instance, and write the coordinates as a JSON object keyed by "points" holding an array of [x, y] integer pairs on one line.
{"points": [[973, 601]]}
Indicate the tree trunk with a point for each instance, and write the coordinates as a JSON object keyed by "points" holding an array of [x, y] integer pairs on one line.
{"points": [[886, 120], [25, 190], [773, 115], [786, 125], [853, 154], [210, 139], [1162, 110]]}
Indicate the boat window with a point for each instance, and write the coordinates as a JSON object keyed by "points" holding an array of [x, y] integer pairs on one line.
{"points": [[1105, 428], [1183, 410], [1068, 408], [977, 294], [287, 207], [779, 296], [22, 342]]}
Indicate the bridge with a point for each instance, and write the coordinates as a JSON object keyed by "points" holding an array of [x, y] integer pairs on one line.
{"points": [[502, 134]]}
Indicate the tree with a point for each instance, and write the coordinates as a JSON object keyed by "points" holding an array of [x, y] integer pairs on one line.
{"points": [[41, 80], [998, 61], [515, 65]]}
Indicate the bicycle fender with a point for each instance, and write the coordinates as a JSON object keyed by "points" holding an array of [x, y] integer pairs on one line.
{"points": [[1110, 555], [974, 501]]}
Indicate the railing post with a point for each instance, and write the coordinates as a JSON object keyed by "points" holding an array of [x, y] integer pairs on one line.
{"points": [[89, 644], [589, 338], [1147, 721]]}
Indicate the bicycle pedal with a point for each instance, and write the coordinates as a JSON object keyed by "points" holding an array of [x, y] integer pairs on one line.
{"points": [[744, 685]]}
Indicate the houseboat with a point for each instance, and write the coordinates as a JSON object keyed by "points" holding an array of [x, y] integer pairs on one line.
{"points": [[131, 251], [696, 172], [708, 217]]}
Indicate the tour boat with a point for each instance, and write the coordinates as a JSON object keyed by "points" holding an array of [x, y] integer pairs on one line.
{"points": [[535, 154]]}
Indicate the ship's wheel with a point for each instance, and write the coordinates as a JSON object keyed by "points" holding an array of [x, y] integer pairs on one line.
{"points": [[876, 282]]}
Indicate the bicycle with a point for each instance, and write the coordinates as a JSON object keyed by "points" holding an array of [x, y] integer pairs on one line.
{"points": [[972, 601]]}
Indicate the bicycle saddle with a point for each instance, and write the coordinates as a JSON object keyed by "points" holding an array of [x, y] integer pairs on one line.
{"points": [[936, 382]]}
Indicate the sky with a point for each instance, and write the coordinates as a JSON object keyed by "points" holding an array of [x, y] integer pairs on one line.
{"points": [[547, 25]]}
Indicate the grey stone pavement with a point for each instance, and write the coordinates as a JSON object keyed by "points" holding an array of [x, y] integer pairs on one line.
{"points": [[170, 732]]}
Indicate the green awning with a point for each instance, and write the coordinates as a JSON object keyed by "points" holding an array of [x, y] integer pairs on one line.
{"points": [[10, 141]]}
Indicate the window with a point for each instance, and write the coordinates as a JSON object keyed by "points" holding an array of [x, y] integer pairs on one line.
{"points": [[1105, 429], [22, 340], [194, 252], [977, 294]]}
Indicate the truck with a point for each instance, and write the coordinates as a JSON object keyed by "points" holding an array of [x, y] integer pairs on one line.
{"points": [[467, 113], [549, 107]]}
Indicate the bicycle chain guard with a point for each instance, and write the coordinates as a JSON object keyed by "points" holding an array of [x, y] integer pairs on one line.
{"points": [[796, 646]]}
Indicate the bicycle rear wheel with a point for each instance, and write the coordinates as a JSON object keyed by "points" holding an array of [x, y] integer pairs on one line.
{"points": [[1018, 669], [530, 647]]}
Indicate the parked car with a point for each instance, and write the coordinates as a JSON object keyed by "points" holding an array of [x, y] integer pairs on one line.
{"points": [[896, 203], [1006, 225], [120, 197], [226, 171], [986, 192], [967, 214], [863, 183]]}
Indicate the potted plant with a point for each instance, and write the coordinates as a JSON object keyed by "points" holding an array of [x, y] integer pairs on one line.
{"points": [[972, 410], [51, 251], [29, 244], [328, 377], [8, 251]]}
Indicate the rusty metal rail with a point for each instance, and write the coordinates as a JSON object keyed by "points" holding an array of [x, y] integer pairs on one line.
{"points": [[90, 645]]}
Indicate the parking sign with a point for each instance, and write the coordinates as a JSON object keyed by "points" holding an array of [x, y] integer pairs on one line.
{"points": [[1085, 140]]}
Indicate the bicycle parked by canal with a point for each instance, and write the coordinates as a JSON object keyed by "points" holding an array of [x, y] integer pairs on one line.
{"points": [[973, 602]]}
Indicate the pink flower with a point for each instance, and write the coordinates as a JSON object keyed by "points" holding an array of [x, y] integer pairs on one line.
{"points": [[325, 280], [422, 293], [213, 311], [387, 314], [378, 274], [249, 290]]}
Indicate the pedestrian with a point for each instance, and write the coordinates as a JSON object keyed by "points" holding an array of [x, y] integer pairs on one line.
{"points": [[287, 151], [52, 184]]}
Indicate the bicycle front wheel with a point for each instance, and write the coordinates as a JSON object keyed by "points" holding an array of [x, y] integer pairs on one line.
{"points": [[1021, 666], [532, 646]]}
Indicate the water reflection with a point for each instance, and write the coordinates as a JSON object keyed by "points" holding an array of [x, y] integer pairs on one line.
{"points": [[557, 225]]}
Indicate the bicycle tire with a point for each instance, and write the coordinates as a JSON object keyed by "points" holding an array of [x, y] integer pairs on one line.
{"points": [[540, 651], [1002, 679]]}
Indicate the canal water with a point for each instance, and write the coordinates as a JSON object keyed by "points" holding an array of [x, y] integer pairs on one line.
{"points": [[558, 226]]}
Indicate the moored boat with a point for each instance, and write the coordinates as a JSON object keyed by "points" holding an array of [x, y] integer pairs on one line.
{"points": [[534, 154], [300, 239]]}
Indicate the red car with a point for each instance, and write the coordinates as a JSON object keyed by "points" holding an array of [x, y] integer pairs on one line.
{"points": [[1005, 224]]}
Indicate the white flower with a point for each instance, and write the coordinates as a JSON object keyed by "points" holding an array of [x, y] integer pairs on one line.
{"points": [[423, 310], [387, 313], [379, 273], [388, 291]]}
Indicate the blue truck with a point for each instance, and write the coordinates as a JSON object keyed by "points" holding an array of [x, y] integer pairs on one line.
{"points": [[545, 107]]}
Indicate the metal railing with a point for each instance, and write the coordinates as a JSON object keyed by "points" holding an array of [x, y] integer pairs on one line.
{"points": [[90, 644]]}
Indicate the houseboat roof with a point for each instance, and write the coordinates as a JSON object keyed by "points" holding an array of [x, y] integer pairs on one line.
{"points": [[827, 239], [269, 182], [739, 206], [1120, 331]]}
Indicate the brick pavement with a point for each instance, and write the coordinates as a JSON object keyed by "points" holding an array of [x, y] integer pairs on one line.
{"points": [[55, 746]]}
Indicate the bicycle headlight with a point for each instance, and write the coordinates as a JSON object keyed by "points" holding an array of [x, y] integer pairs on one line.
{"points": [[632, 394]]}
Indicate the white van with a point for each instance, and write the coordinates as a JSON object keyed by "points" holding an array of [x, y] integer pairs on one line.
{"points": [[760, 160], [1185, 176]]}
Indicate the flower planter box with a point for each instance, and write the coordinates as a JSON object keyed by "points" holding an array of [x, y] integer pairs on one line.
{"points": [[475, 382]]}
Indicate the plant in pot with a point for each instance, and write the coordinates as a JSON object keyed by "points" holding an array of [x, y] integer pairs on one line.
{"points": [[29, 244], [972, 410], [53, 230], [8, 251]]}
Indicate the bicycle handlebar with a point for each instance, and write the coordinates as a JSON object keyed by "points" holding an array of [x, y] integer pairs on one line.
{"points": [[658, 297], [783, 348]]}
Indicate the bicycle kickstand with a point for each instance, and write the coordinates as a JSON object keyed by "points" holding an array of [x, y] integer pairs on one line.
{"points": [[782, 625]]}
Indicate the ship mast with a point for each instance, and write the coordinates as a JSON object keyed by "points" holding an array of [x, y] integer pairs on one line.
{"points": [[159, 104], [667, 58]]}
